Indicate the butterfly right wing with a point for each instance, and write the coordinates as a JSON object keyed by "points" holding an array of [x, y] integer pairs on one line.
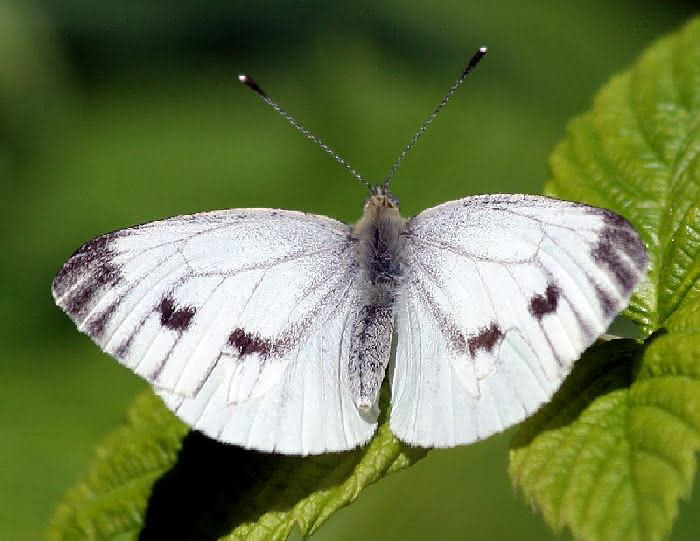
{"points": [[502, 293], [239, 319]]}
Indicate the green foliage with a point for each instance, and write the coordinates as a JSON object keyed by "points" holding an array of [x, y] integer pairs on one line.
{"points": [[614, 451], [148, 479], [111, 501], [609, 457]]}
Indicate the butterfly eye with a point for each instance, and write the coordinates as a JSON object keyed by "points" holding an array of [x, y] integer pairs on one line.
{"points": [[393, 201]]}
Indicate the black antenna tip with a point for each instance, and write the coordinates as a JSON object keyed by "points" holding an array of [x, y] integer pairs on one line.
{"points": [[252, 84], [478, 55], [473, 61]]}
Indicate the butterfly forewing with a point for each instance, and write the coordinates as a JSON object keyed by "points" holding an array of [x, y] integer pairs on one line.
{"points": [[238, 318], [502, 293]]}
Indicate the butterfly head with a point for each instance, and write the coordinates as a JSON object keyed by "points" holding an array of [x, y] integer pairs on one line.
{"points": [[381, 198], [381, 211]]}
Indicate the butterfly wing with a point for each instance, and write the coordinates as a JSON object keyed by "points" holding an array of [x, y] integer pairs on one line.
{"points": [[502, 294], [239, 319]]}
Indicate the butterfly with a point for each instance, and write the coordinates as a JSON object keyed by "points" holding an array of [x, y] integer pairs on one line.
{"points": [[274, 329]]}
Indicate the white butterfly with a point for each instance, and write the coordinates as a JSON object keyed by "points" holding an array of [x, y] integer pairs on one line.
{"points": [[272, 329]]}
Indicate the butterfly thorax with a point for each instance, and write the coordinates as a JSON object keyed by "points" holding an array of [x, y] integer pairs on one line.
{"points": [[378, 235]]}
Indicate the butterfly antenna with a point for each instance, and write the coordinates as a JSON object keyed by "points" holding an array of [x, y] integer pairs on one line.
{"points": [[248, 81], [480, 53]]}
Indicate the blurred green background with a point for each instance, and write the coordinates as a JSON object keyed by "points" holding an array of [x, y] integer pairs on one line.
{"points": [[119, 112]]}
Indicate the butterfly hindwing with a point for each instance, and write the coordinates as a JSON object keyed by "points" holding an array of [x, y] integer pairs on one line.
{"points": [[238, 318], [502, 293], [310, 410]]}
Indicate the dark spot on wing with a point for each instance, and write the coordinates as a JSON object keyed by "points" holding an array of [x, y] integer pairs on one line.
{"points": [[541, 305], [487, 339], [247, 343], [166, 309], [176, 319]]}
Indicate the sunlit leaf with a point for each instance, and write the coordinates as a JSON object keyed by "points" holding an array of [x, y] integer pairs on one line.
{"points": [[612, 454]]}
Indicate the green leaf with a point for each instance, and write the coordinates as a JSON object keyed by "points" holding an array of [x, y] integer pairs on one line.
{"points": [[636, 153], [614, 451], [153, 478], [110, 502]]}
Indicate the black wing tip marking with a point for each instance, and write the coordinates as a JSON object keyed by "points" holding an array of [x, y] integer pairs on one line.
{"points": [[619, 237], [623, 232], [616, 238], [173, 317], [89, 269], [247, 343], [541, 305], [614, 219], [486, 339], [97, 249]]}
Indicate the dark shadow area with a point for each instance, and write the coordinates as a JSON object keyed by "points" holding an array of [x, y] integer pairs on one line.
{"points": [[624, 328], [604, 368], [214, 487]]}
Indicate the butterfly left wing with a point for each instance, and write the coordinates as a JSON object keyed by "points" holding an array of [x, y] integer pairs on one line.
{"points": [[502, 294], [241, 319]]}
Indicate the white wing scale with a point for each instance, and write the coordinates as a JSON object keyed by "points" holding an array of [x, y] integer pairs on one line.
{"points": [[502, 294], [236, 317]]}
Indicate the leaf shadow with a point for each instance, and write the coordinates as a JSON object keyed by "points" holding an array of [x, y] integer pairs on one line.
{"points": [[214, 487], [604, 368]]}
